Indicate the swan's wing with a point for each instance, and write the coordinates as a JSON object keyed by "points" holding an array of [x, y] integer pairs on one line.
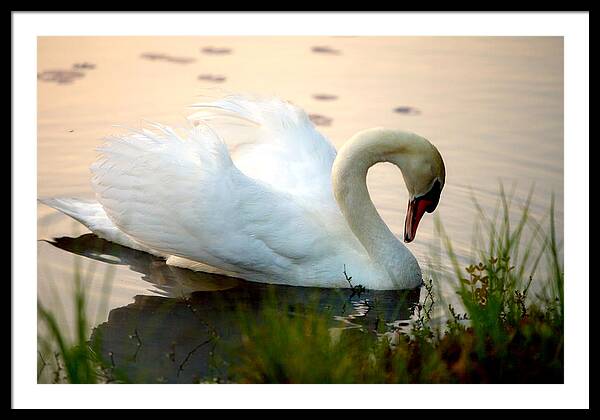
{"points": [[180, 193], [273, 141]]}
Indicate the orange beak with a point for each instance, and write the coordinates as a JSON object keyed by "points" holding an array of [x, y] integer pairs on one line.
{"points": [[417, 208]]}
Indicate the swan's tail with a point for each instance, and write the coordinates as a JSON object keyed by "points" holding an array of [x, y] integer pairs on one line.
{"points": [[92, 215]]}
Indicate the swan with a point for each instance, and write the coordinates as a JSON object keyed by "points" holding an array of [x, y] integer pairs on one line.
{"points": [[279, 205]]}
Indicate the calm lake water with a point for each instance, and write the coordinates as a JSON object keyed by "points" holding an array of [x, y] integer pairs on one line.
{"points": [[493, 107]]}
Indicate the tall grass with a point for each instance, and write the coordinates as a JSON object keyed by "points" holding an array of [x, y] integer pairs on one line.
{"points": [[69, 356], [500, 333], [495, 291]]}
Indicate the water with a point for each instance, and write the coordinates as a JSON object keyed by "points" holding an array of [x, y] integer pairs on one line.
{"points": [[493, 107]]}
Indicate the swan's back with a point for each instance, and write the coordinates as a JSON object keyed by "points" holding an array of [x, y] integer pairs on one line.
{"points": [[275, 142]]}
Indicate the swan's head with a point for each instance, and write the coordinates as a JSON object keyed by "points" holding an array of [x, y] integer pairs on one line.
{"points": [[424, 174], [421, 164]]}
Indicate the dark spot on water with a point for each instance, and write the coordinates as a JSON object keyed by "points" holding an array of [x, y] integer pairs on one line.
{"points": [[166, 57], [60, 76], [216, 51], [325, 97], [71, 130], [212, 78], [322, 120], [84, 66], [407, 110], [325, 50]]}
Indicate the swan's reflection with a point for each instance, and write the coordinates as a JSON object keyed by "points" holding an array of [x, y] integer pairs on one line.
{"points": [[187, 333]]}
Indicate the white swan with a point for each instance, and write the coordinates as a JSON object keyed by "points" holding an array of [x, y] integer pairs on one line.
{"points": [[281, 207]]}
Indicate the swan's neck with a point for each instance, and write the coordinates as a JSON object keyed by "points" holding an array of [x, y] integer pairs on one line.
{"points": [[349, 177]]}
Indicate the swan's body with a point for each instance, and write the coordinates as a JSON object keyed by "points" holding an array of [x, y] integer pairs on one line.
{"points": [[281, 207]]}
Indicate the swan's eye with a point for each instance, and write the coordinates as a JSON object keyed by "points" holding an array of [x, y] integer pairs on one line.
{"points": [[433, 196]]}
